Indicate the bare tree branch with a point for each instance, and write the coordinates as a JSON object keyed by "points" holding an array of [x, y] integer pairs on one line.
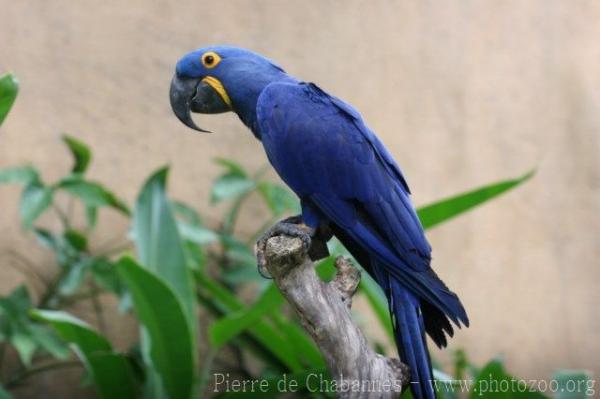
{"points": [[324, 309]]}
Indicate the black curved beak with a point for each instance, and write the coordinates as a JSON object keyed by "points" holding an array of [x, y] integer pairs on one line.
{"points": [[189, 95]]}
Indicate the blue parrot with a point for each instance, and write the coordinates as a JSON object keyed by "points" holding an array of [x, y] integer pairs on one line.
{"points": [[346, 180]]}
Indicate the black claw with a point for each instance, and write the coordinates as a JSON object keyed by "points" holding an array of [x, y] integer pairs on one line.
{"points": [[264, 273], [292, 220]]}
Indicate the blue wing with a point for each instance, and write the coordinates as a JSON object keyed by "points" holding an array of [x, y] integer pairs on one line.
{"points": [[344, 176], [322, 149]]}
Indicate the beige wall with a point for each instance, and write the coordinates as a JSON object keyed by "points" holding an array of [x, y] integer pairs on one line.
{"points": [[462, 92]]}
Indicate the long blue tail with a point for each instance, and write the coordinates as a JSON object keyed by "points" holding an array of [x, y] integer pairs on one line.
{"points": [[409, 330], [427, 308]]}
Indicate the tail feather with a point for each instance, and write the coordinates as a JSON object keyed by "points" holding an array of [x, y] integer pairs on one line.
{"points": [[427, 308], [437, 324], [409, 330]]}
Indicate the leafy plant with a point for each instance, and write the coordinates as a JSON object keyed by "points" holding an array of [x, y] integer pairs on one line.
{"points": [[9, 87], [110, 370], [167, 340]]}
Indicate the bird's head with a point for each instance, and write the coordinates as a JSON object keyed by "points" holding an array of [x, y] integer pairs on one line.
{"points": [[218, 79]]}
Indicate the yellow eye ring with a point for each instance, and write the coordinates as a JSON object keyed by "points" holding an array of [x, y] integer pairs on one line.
{"points": [[210, 59]]}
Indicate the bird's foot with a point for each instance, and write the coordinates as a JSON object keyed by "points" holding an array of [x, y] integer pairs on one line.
{"points": [[293, 227], [314, 240]]}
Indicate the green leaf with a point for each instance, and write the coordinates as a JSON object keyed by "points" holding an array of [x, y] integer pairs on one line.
{"points": [[74, 277], [47, 340], [242, 275], [493, 378], [232, 167], [440, 211], [105, 275], [193, 233], [113, 375], [45, 238], [26, 336], [110, 371], [9, 87], [25, 346], [14, 323], [162, 250], [278, 198], [16, 304], [574, 384], [195, 256], [233, 183], [76, 239], [170, 335], [4, 394], [225, 329], [230, 186], [268, 337], [238, 252], [91, 216], [186, 213], [20, 174], [197, 234], [91, 193], [64, 251], [158, 242], [81, 153], [35, 199], [73, 330]]}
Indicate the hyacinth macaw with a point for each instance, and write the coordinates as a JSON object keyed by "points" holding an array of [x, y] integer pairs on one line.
{"points": [[347, 182]]}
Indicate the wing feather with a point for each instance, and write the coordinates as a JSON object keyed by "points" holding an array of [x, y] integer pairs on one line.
{"points": [[322, 149]]}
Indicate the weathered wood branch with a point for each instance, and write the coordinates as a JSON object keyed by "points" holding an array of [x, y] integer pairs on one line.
{"points": [[324, 310]]}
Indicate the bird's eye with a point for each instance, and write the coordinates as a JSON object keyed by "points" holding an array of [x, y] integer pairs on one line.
{"points": [[210, 59]]}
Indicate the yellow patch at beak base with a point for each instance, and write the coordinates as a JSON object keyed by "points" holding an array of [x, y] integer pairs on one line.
{"points": [[218, 87]]}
